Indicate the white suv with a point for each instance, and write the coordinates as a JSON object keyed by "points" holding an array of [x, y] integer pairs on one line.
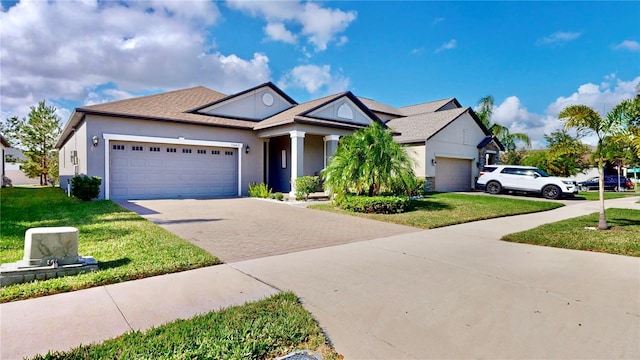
{"points": [[497, 178]]}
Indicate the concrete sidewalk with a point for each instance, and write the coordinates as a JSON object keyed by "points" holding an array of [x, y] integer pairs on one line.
{"points": [[459, 293], [63, 321], [453, 292]]}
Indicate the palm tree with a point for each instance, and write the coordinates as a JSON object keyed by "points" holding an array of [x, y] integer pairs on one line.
{"points": [[586, 120], [509, 140], [368, 161]]}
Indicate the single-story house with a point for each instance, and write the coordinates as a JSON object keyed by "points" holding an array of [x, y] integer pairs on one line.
{"points": [[4, 144], [199, 142]]}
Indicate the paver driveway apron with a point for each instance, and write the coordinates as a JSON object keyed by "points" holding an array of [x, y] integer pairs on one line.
{"points": [[245, 228]]}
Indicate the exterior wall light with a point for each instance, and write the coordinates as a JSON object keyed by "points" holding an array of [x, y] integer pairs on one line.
{"points": [[433, 162], [95, 140], [247, 149]]}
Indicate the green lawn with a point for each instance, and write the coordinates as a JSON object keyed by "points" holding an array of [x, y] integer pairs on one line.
{"points": [[126, 245], [594, 195], [444, 209], [622, 238], [264, 329]]}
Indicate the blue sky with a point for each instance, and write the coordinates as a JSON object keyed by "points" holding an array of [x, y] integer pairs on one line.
{"points": [[533, 57]]}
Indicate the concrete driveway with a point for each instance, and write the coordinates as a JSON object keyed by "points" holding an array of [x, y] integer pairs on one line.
{"points": [[245, 228], [454, 292]]}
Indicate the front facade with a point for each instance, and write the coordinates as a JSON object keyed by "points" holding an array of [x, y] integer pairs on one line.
{"points": [[198, 143]]}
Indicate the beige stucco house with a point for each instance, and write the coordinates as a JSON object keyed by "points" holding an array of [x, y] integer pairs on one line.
{"points": [[198, 142]]}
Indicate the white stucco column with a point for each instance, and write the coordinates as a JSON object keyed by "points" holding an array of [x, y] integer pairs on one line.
{"points": [[330, 146], [297, 158]]}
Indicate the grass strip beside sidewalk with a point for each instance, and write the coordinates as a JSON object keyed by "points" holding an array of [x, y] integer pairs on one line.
{"points": [[267, 328], [622, 238], [126, 245]]}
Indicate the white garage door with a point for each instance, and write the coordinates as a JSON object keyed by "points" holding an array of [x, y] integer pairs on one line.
{"points": [[156, 171], [453, 174]]}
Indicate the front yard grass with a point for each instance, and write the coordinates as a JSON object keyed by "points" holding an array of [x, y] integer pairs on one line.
{"points": [[623, 237], [126, 245], [444, 209], [267, 328], [594, 195]]}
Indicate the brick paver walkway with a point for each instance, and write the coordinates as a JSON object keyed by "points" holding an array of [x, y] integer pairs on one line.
{"points": [[244, 228]]}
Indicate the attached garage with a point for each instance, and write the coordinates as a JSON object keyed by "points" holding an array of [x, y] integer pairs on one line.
{"points": [[144, 170], [453, 174]]}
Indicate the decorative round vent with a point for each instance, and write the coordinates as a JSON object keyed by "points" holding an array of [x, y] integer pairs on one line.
{"points": [[267, 99]]}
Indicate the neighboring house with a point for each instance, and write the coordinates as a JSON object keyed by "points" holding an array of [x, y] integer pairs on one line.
{"points": [[13, 171], [198, 142], [4, 144]]}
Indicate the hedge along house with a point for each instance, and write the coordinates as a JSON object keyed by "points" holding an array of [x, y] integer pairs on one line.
{"points": [[199, 143]]}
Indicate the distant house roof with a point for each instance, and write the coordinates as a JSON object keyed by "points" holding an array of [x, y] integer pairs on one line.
{"points": [[4, 141]]}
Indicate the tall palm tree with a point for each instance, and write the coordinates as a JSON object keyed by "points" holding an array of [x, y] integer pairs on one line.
{"points": [[586, 120], [508, 139], [368, 161]]}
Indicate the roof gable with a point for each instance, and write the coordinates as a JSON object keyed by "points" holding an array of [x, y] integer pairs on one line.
{"points": [[256, 104], [346, 108], [325, 112]]}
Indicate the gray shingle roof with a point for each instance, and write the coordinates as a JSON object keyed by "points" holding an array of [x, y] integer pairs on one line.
{"points": [[420, 127], [426, 107], [4, 141], [379, 107]]}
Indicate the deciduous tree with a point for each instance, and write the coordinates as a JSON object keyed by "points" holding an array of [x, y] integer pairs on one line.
{"points": [[36, 136]]}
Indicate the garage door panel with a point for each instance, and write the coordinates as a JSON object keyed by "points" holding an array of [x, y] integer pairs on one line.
{"points": [[453, 174], [159, 171]]}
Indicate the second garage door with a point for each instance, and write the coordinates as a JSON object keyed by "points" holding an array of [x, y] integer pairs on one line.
{"points": [[453, 174], [157, 171]]}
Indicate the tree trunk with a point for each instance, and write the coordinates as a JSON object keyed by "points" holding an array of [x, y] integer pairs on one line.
{"points": [[602, 221]]}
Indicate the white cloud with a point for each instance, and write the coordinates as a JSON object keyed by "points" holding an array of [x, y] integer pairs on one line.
{"points": [[452, 44], [515, 116], [277, 31], [135, 46], [437, 21], [601, 98], [317, 24], [559, 38], [629, 45], [314, 79]]}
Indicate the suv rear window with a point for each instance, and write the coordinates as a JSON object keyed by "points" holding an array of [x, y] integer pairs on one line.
{"points": [[488, 168]]}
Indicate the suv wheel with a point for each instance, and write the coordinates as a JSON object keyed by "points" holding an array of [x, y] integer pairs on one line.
{"points": [[494, 187], [551, 192]]}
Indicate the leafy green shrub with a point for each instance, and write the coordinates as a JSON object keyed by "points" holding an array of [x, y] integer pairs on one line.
{"points": [[277, 196], [85, 187], [410, 187], [306, 185], [374, 204], [259, 190]]}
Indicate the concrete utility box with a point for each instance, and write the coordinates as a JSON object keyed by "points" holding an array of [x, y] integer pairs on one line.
{"points": [[45, 244]]}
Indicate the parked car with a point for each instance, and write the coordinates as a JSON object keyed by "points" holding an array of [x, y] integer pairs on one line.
{"points": [[498, 178], [610, 183]]}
